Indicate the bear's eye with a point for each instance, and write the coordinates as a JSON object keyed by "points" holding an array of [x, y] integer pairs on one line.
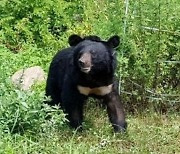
{"points": [[92, 51], [80, 54]]}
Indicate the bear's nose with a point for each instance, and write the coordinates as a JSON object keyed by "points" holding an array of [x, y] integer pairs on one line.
{"points": [[82, 63]]}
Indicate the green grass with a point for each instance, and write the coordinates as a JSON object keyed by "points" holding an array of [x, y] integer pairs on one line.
{"points": [[147, 133]]}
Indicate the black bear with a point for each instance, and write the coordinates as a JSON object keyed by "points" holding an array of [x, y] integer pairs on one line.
{"points": [[86, 69]]}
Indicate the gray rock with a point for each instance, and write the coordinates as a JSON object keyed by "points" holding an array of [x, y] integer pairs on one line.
{"points": [[25, 78]]}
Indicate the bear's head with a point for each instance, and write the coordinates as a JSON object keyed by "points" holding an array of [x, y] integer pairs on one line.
{"points": [[94, 56]]}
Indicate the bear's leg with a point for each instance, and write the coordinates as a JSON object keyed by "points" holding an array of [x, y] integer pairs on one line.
{"points": [[115, 111], [72, 104], [75, 115]]}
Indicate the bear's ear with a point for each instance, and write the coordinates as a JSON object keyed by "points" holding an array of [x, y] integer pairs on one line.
{"points": [[114, 41], [74, 40]]}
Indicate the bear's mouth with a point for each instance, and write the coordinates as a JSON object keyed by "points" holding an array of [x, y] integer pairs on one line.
{"points": [[85, 69]]}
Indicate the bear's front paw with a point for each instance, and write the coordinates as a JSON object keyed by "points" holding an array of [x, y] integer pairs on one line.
{"points": [[120, 127], [76, 125]]}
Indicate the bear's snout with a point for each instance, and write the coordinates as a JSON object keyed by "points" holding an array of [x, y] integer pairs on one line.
{"points": [[85, 62]]}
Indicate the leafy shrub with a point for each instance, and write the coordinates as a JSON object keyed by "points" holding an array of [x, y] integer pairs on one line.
{"points": [[22, 111], [40, 22]]}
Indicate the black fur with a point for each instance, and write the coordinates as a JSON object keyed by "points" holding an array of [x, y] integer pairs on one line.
{"points": [[65, 74]]}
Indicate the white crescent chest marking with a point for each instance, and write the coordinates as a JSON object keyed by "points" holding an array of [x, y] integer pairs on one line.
{"points": [[104, 90]]}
